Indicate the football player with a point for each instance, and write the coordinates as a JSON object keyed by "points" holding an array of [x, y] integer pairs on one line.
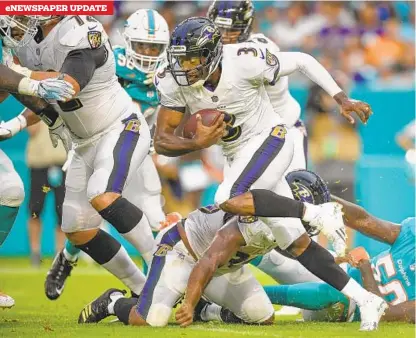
{"points": [[174, 264], [111, 140], [235, 21], [18, 81], [146, 35], [202, 73], [390, 274]]}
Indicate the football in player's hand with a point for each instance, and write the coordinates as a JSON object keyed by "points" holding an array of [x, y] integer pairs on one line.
{"points": [[208, 118]]}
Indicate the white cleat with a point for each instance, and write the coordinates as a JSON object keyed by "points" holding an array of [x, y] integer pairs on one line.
{"points": [[329, 221], [287, 311], [371, 312], [6, 302]]}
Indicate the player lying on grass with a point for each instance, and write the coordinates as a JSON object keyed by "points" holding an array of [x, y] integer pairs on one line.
{"points": [[211, 242], [390, 274]]}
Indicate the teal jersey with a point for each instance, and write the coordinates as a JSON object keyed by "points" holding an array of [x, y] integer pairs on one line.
{"points": [[132, 81], [394, 269]]}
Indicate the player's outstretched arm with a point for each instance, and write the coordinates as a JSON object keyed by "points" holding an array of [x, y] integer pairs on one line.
{"points": [[357, 218], [223, 247], [19, 82], [295, 61]]}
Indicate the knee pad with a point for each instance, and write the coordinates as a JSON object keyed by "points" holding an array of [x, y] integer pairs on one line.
{"points": [[12, 192], [158, 315], [257, 308], [76, 217]]}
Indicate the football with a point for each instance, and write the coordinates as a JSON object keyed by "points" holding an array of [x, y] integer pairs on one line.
{"points": [[208, 116]]}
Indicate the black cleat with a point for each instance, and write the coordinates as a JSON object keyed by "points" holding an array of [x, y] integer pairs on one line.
{"points": [[198, 309], [97, 310], [57, 275]]}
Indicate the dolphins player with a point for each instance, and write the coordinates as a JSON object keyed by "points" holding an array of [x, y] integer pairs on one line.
{"points": [[390, 274]]}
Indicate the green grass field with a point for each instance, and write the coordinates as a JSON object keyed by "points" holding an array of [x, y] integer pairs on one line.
{"points": [[35, 316]]}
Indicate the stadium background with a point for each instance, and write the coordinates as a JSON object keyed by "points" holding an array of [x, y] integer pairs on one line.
{"points": [[367, 46]]}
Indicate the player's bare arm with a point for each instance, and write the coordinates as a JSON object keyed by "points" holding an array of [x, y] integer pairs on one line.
{"points": [[401, 312], [169, 144], [308, 65], [223, 247], [357, 218]]}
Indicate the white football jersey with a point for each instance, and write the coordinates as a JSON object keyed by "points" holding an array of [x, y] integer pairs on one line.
{"points": [[202, 225], [6, 57], [240, 93], [282, 101], [103, 101]]}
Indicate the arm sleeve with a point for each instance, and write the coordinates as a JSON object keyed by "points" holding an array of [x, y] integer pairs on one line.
{"points": [[308, 65], [81, 64]]}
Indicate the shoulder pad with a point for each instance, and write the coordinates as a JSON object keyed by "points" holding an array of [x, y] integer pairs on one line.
{"points": [[89, 34], [261, 38]]}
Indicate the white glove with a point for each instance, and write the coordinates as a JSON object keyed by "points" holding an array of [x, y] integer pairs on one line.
{"points": [[149, 79], [48, 89], [60, 132], [12, 127]]}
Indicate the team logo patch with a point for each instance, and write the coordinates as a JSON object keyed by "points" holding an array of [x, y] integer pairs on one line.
{"points": [[94, 38], [247, 219], [208, 34], [162, 250], [271, 59], [302, 193]]}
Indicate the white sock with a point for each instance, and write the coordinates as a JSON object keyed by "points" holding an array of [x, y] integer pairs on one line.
{"points": [[211, 312], [114, 297], [123, 267], [311, 211], [285, 270], [69, 257], [355, 291], [142, 239]]}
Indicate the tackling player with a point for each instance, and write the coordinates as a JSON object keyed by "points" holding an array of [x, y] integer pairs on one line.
{"points": [[390, 274], [111, 139], [173, 266], [146, 35]]}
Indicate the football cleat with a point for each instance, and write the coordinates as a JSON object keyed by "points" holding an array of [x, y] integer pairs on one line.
{"points": [[6, 302], [200, 306], [97, 310], [371, 312], [57, 275], [329, 221], [287, 311]]}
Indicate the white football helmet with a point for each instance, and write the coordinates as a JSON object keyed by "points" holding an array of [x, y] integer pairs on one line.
{"points": [[146, 29], [17, 30]]}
